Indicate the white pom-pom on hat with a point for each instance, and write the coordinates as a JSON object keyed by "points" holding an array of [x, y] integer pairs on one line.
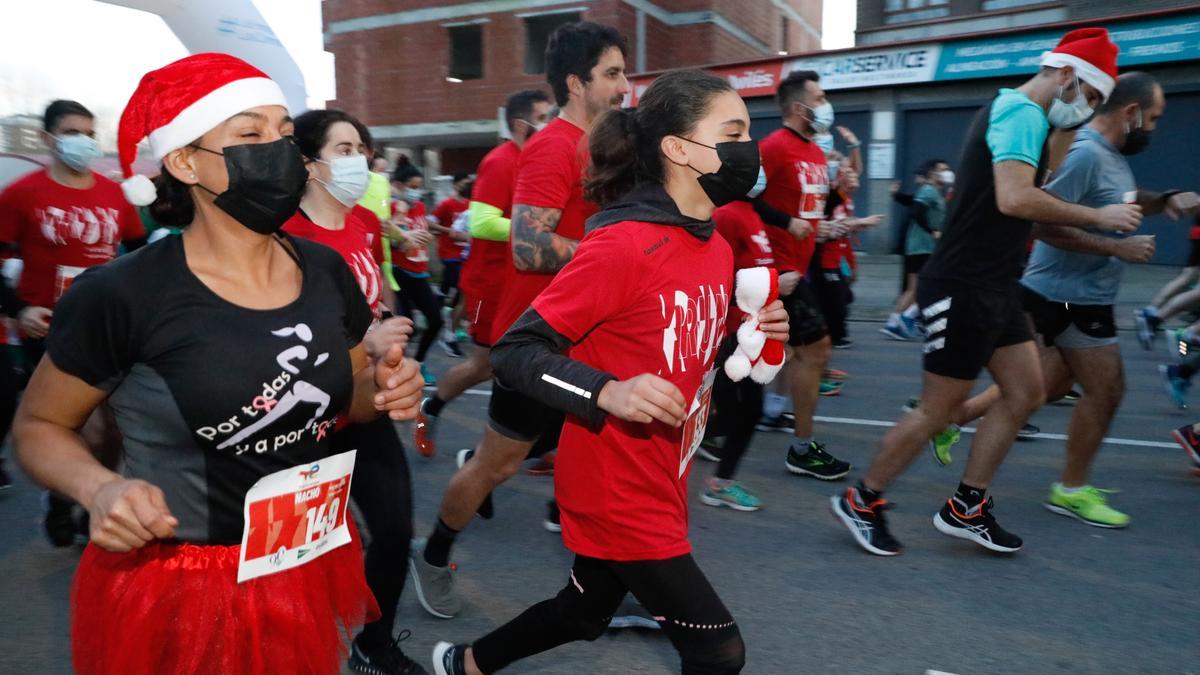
{"points": [[752, 289], [764, 372], [139, 190], [737, 366]]}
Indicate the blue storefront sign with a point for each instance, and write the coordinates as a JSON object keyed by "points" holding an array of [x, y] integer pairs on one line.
{"points": [[1142, 41]]}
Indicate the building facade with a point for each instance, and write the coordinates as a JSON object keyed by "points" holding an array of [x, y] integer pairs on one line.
{"points": [[21, 135], [428, 76]]}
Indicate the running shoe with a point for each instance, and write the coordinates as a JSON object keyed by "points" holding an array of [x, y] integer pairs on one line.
{"points": [[59, 520], [977, 525], [1070, 398], [424, 430], [486, 509], [553, 521], [941, 444], [1176, 386], [1028, 431], [911, 327], [1179, 342], [449, 659], [780, 423], [844, 343], [835, 374], [631, 614], [911, 404], [1087, 504], [1147, 327], [734, 495], [895, 332], [452, 349], [830, 388], [816, 462], [385, 660], [461, 335], [1187, 438], [543, 466], [434, 585], [710, 448], [865, 521], [5, 479], [430, 380]]}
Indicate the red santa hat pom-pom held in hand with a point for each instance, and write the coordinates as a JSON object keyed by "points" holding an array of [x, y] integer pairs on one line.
{"points": [[180, 102], [756, 357]]}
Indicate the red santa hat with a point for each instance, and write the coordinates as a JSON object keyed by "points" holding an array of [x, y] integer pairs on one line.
{"points": [[1091, 53], [180, 102]]}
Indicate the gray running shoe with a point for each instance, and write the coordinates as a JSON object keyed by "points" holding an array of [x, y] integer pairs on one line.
{"points": [[434, 585]]}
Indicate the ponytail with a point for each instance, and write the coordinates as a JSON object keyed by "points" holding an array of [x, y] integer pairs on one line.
{"points": [[614, 148]]}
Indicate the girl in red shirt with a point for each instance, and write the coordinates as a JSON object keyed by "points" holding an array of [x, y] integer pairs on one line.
{"points": [[641, 310]]}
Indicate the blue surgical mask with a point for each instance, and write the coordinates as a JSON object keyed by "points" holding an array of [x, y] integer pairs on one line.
{"points": [[760, 185], [824, 142], [1064, 115], [822, 117], [833, 170], [77, 151], [348, 178]]}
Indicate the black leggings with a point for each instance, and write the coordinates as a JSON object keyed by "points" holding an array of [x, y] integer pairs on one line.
{"points": [[736, 409], [382, 488], [416, 293], [10, 388], [1190, 365], [451, 271], [674, 591]]}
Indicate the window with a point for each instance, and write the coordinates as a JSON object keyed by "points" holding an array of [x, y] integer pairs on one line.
{"points": [[783, 34], [893, 5], [466, 52], [993, 5], [537, 34]]}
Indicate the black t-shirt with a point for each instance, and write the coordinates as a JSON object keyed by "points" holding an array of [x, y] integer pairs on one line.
{"points": [[981, 246], [210, 396]]}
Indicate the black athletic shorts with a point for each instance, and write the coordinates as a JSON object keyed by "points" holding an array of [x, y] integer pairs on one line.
{"points": [[1194, 256], [516, 416], [806, 323], [1075, 326], [965, 324], [914, 263]]}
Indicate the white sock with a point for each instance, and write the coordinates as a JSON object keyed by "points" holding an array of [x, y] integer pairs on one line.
{"points": [[774, 405], [912, 311], [801, 444], [1070, 490], [893, 319]]}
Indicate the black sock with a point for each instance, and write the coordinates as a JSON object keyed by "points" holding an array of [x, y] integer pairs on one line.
{"points": [[970, 496], [865, 493], [434, 406], [437, 549]]}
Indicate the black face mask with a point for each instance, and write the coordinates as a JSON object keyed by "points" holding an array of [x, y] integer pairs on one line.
{"points": [[266, 182], [1136, 140], [738, 173]]}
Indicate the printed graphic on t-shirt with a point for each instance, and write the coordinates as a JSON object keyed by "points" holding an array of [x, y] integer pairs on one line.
{"points": [[275, 400], [97, 228], [696, 325], [765, 255], [367, 275], [814, 188]]}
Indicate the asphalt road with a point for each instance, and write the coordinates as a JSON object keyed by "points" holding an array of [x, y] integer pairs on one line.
{"points": [[1077, 599]]}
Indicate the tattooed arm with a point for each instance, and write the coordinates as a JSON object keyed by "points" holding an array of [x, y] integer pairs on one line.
{"points": [[535, 246]]}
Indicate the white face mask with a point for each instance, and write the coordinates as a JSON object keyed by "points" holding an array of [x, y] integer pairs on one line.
{"points": [[77, 151], [348, 178], [533, 128], [1065, 115], [947, 177], [824, 142], [822, 117]]}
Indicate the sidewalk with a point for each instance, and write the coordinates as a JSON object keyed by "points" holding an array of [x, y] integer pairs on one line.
{"points": [[879, 282]]}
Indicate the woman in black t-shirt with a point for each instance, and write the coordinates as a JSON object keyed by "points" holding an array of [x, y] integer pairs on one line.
{"points": [[227, 375]]}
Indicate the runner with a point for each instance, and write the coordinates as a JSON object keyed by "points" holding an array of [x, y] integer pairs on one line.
{"points": [[630, 434], [969, 295], [208, 413], [63, 220], [410, 255], [794, 203], [585, 66], [452, 249], [1178, 296], [334, 144], [927, 217], [487, 267], [831, 269]]}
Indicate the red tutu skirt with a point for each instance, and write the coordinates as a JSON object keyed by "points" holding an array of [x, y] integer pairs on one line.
{"points": [[178, 609]]}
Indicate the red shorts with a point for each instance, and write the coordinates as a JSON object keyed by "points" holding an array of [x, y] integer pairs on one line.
{"points": [[481, 313], [177, 608]]}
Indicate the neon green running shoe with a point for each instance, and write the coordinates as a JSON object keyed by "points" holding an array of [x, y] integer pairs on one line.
{"points": [[941, 444], [1088, 504]]}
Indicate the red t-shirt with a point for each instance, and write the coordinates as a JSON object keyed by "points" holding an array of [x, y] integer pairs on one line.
{"points": [[747, 235], [835, 250], [413, 259], [355, 244], [622, 488], [550, 175], [798, 185], [374, 230], [446, 212], [487, 267], [62, 231]]}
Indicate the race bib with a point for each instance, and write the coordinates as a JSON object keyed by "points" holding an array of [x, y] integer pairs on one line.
{"points": [[697, 420], [63, 276], [295, 516]]}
